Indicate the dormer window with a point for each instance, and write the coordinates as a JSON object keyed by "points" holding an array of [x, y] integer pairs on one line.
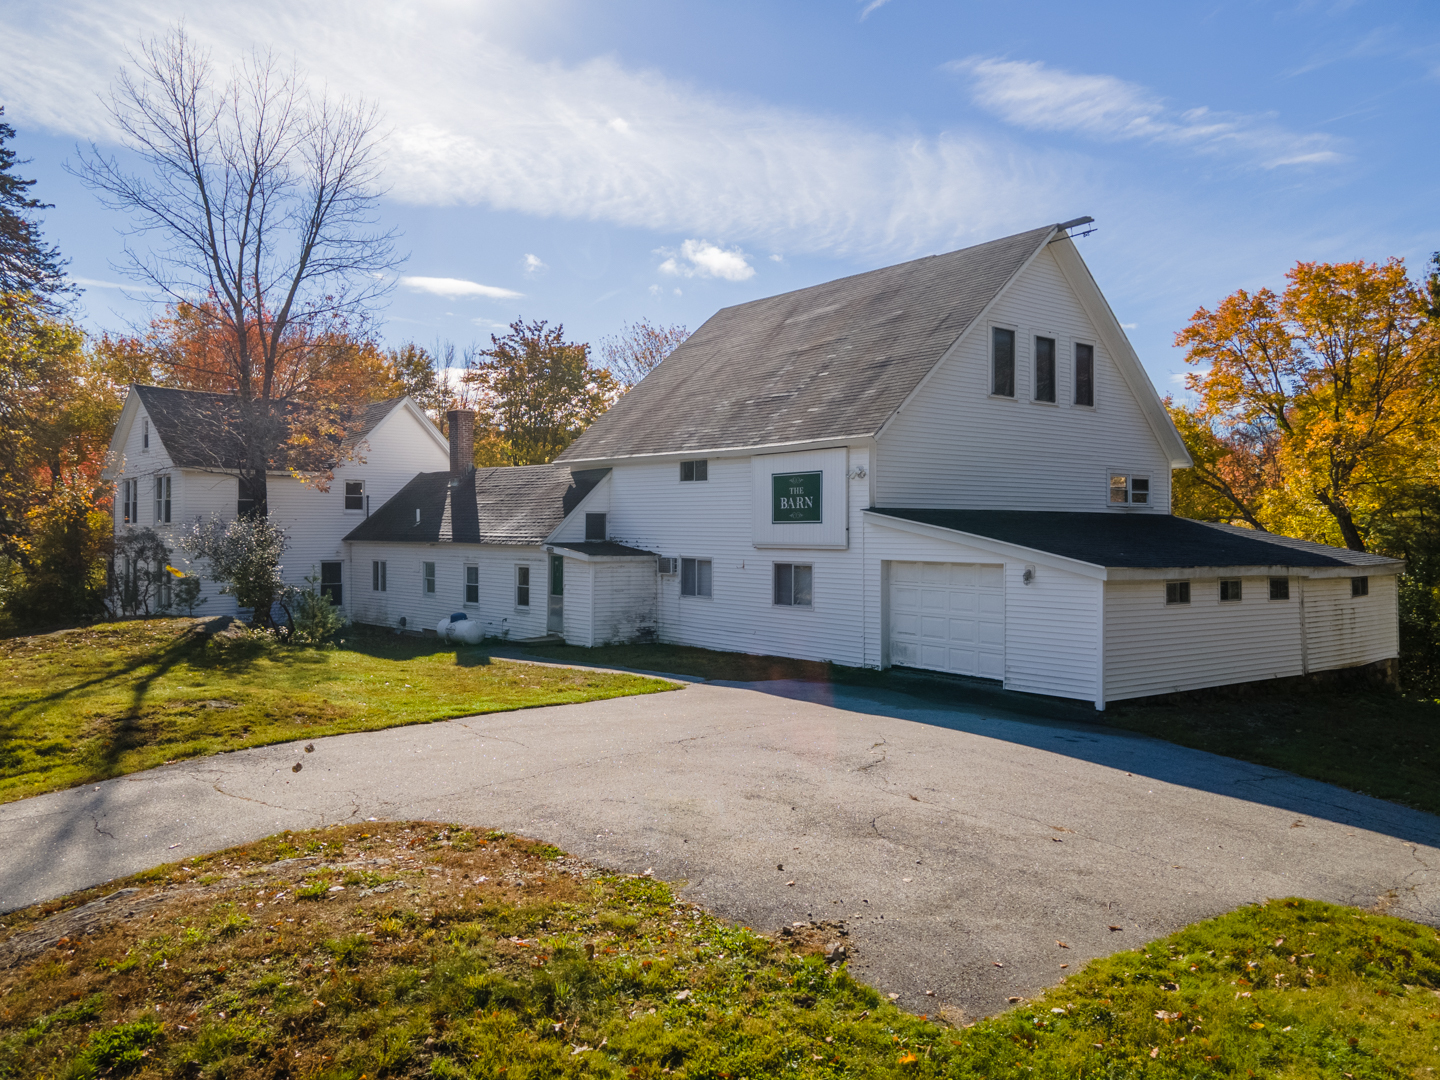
{"points": [[1128, 489], [1002, 362]]}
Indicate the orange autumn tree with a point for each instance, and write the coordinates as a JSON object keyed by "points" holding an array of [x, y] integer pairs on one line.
{"points": [[1315, 406]]}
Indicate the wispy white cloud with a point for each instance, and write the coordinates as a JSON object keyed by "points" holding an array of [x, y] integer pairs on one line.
{"points": [[871, 6], [1030, 94], [534, 265], [456, 288], [95, 283], [474, 121], [700, 258]]}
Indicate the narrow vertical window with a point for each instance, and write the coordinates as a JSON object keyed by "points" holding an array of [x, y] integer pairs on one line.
{"points": [[164, 597], [377, 576], [331, 581], [428, 576], [472, 584], [1044, 369], [354, 494], [1084, 374], [162, 500], [522, 586], [1002, 362], [145, 433], [244, 498], [1359, 586]]}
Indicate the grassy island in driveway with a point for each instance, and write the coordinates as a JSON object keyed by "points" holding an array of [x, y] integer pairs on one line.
{"points": [[82, 705]]}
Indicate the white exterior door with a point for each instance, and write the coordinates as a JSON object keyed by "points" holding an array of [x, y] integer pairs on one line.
{"points": [[948, 617]]}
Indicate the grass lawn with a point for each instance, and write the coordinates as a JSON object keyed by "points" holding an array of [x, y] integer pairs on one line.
{"points": [[81, 705], [410, 950], [1381, 743]]}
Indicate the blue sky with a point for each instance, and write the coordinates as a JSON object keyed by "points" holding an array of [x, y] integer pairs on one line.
{"points": [[592, 163]]}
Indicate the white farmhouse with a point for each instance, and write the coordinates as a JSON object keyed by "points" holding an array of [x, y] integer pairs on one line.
{"points": [[957, 464], [174, 459]]}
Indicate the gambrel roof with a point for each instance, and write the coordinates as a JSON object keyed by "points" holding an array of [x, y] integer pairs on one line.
{"points": [[835, 361], [509, 505]]}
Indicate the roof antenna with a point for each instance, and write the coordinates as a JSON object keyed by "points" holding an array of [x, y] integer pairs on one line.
{"points": [[1073, 223]]}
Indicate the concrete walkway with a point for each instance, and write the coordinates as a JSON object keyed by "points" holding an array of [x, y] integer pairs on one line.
{"points": [[949, 839]]}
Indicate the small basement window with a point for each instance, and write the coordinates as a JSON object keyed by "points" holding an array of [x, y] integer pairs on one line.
{"points": [[1128, 489], [695, 577], [427, 575], [522, 586], [1177, 592], [472, 584], [1084, 374], [1359, 586], [1229, 591], [594, 527], [377, 576], [793, 584], [354, 494], [1002, 362], [696, 471], [1045, 369], [1279, 588]]}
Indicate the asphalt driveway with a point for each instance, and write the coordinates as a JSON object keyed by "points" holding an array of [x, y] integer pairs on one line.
{"points": [[951, 841]]}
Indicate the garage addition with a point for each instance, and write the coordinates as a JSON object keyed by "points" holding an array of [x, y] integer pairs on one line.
{"points": [[956, 464]]}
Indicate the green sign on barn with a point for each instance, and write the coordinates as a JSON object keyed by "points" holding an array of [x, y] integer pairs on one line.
{"points": [[795, 497]]}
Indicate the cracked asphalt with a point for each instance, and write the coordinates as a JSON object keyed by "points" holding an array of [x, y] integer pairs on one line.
{"points": [[949, 838]]}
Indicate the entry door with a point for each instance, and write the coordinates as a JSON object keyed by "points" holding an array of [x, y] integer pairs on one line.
{"points": [[555, 618], [948, 617]]}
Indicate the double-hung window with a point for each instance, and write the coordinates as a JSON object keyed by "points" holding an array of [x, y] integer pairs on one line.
{"points": [[1002, 362], [162, 500], [793, 583], [694, 471], [354, 494], [522, 586], [129, 501], [1045, 369], [377, 576], [1084, 374], [244, 498], [145, 433], [695, 577], [164, 594], [427, 575], [472, 584], [1128, 488]]}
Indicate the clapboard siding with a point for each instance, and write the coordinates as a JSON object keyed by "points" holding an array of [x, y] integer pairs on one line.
{"points": [[1155, 648], [623, 600], [651, 508], [1052, 631], [405, 596], [955, 446], [1345, 631], [572, 529]]}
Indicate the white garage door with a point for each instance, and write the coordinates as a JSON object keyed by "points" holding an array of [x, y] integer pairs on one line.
{"points": [[948, 617]]}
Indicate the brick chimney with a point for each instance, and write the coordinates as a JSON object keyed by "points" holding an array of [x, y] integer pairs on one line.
{"points": [[461, 423]]}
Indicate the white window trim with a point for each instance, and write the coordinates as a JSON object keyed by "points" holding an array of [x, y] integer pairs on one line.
{"points": [[681, 578], [1220, 586], [343, 496], [465, 586], [1275, 599], [529, 586], [1131, 476], [434, 578], [1189, 600], [1094, 368], [792, 606], [1059, 368], [144, 434], [990, 360]]}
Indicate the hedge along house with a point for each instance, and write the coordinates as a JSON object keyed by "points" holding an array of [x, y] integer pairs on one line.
{"points": [[957, 463], [174, 459]]}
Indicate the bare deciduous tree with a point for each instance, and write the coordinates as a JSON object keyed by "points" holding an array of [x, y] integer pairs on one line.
{"points": [[263, 198], [638, 349]]}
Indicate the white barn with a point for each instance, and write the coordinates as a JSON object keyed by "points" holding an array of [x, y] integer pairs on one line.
{"points": [[956, 464]]}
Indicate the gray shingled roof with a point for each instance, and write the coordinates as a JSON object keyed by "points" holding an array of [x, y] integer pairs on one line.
{"points": [[1141, 540], [607, 549], [520, 505], [200, 430], [830, 361]]}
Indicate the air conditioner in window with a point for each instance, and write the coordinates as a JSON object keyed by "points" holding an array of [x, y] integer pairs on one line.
{"points": [[669, 565]]}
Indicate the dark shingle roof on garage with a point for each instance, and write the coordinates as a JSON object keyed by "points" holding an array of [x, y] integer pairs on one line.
{"points": [[830, 361], [519, 505], [1142, 540]]}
